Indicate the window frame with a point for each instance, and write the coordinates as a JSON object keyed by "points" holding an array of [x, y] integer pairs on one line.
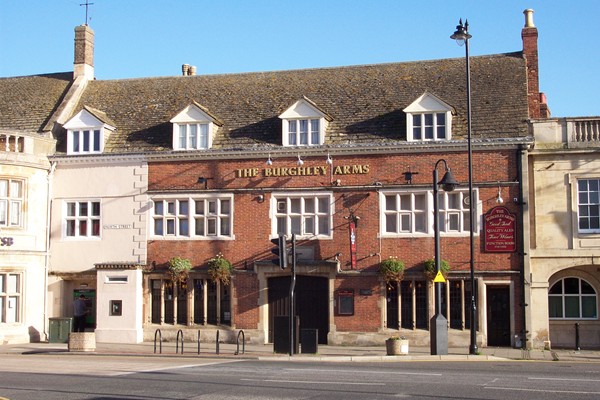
{"points": [[94, 136], [202, 137], [291, 213], [425, 105], [435, 127], [89, 219], [446, 215], [579, 295], [579, 205], [8, 201], [310, 133], [7, 295], [182, 222]]}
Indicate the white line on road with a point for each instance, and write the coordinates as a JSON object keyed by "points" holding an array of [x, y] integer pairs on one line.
{"points": [[369, 372], [315, 382], [541, 390], [564, 379]]}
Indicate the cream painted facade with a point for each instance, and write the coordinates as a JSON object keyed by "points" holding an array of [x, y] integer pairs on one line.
{"points": [[107, 267], [566, 151], [23, 249]]}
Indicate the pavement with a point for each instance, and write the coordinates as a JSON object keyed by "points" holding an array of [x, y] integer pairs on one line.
{"points": [[324, 352]]}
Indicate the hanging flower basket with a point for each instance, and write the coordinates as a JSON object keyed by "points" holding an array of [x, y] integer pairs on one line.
{"points": [[392, 270], [430, 271], [179, 269], [219, 269]]}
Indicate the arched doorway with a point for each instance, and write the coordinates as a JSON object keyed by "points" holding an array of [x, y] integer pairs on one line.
{"points": [[312, 306]]}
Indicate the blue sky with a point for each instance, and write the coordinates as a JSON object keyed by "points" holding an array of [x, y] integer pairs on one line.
{"points": [[142, 38]]}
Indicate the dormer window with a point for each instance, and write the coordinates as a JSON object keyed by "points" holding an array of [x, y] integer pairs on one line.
{"points": [[304, 124], [428, 119], [194, 128], [87, 132]]}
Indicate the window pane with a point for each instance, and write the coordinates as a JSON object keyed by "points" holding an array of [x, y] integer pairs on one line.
{"points": [[556, 288], [158, 208], [571, 285], [225, 227], [225, 207], [96, 208], [390, 203], [555, 307], [170, 227], [405, 223], [199, 207], [86, 140], [212, 226], [586, 288], [296, 225], [572, 307], [420, 223], [309, 225], [454, 201], [3, 188], [71, 209], [12, 315], [83, 209], [192, 136], [292, 132], [391, 225], [15, 213], [204, 136], [588, 306], [303, 131], [420, 202], [3, 212], [95, 227], [324, 205], [314, 131], [182, 136], [96, 140], [295, 206], [183, 208], [171, 207], [323, 226], [75, 137], [212, 207], [184, 227], [200, 226], [70, 228], [83, 228], [281, 225], [12, 283], [15, 189], [158, 227], [309, 206], [405, 202]]}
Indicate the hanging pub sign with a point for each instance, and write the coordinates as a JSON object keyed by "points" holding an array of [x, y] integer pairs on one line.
{"points": [[352, 229], [500, 231]]}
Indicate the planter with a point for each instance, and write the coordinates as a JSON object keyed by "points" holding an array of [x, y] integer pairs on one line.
{"points": [[395, 347], [82, 341]]}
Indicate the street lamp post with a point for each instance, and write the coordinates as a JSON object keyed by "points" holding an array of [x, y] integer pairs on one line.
{"points": [[438, 326], [462, 36]]}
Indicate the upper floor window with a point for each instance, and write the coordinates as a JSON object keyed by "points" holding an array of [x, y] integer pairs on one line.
{"points": [[406, 213], [10, 297], [87, 131], [304, 124], [193, 128], [11, 202], [82, 219], [428, 119], [572, 298], [304, 216], [588, 199], [189, 217]]}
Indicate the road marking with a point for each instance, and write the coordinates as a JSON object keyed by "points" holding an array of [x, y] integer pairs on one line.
{"points": [[565, 379], [155, 369], [315, 382], [368, 372], [540, 390]]}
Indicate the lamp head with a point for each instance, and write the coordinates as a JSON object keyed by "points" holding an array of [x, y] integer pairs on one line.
{"points": [[448, 182], [462, 33]]}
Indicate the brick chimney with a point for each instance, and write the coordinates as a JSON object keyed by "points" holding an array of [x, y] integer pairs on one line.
{"points": [[538, 108], [84, 52]]}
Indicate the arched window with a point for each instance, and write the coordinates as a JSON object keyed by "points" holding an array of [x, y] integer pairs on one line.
{"points": [[572, 298]]}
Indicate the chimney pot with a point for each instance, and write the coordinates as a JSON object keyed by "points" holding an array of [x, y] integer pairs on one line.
{"points": [[185, 68], [529, 18], [192, 70]]}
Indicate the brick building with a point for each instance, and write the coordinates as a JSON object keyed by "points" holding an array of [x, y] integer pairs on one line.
{"points": [[200, 166]]}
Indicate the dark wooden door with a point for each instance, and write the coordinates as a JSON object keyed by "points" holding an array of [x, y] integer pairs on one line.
{"points": [[311, 303], [498, 315]]}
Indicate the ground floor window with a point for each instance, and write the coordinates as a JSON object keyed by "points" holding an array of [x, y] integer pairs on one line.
{"points": [[10, 297], [572, 298], [198, 301], [408, 304]]}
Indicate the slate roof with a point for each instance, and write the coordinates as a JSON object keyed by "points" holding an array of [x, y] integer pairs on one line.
{"points": [[27, 102], [364, 102]]}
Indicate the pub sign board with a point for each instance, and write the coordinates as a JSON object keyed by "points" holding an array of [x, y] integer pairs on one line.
{"points": [[500, 231]]}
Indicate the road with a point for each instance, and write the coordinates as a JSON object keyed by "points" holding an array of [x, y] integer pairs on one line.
{"points": [[67, 377]]}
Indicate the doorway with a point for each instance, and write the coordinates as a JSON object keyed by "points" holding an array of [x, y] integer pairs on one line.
{"points": [[312, 306], [498, 315]]}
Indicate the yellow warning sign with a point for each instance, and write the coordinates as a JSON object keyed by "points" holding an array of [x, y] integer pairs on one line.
{"points": [[439, 278]]}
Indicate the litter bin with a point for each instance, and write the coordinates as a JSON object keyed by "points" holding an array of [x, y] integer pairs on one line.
{"points": [[59, 329], [309, 339]]}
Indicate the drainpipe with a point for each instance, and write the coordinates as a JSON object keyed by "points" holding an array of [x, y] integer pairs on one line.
{"points": [[523, 218], [47, 252]]}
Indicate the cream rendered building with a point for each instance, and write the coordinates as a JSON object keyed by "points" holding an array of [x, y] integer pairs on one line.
{"points": [[563, 282]]}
